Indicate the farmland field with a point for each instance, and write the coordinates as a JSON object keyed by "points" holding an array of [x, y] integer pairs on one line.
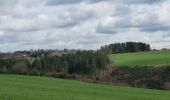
{"points": [[15, 87], [142, 58]]}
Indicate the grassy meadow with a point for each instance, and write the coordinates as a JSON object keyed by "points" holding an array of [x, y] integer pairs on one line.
{"points": [[142, 58], [16, 87]]}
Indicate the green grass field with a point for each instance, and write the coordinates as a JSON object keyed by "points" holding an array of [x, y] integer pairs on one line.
{"points": [[15, 87], [141, 58]]}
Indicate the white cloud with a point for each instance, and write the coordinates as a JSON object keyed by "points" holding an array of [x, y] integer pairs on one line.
{"points": [[146, 18], [1, 33], [26, 24]]}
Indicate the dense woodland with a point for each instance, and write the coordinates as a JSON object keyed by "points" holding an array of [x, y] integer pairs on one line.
{"points": [[79, 62], [127, 47]]}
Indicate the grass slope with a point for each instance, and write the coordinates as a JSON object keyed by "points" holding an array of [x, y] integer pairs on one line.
{"points": [[14, 87], [142, 58]]}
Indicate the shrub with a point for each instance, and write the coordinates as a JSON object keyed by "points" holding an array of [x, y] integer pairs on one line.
{"points": [[20, 68], [139, 76], [151, 83]]}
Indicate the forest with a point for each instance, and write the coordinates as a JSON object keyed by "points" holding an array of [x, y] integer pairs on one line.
{"points": [[127, 47], [80, 62]]}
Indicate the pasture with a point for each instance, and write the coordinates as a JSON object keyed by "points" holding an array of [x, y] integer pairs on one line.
{"points": [[18, 87], [142, 58]]}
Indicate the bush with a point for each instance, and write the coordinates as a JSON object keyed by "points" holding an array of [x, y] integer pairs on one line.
{"points": [[145, 77], [20, 68], [62, 76], [151, 83], [35, 72]]}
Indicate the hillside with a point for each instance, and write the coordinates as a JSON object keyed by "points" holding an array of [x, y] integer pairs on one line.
{"points": [[142, 58], [15, 87]]}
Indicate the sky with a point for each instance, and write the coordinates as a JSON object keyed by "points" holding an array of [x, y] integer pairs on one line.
{"points": [[82, 24]]}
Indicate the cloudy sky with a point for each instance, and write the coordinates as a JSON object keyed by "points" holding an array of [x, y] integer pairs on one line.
{"points": [[82, 24]]}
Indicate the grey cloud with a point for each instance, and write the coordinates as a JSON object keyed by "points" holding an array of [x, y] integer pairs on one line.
{"points": [[7, 39], [105, 29], [6, 6], [112, 25], [167, 34], [144, 18], [57, 2], [121, 10], [8, 2], [155, 28], [73, 18], [126, 23], [19, 25], [63, 2], [138, 1], [42, 22], [31, 3]]}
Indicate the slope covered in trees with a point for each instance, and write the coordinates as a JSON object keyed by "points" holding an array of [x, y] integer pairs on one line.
{"points": [[79, 62]]}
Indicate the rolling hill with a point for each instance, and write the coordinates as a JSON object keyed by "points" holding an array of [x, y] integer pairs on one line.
{"points": [[16, 87], [142, 58]]}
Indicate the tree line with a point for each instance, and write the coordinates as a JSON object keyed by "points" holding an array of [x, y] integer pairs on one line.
{"points": [[84, 62], [81, 62], [127, 47]]}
